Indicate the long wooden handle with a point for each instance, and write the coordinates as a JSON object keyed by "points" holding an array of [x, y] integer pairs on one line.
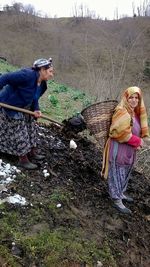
{"points": [[28, 112]]}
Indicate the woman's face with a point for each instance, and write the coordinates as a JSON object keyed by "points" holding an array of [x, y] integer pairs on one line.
{"points": [[133, 100], [46, 74]]}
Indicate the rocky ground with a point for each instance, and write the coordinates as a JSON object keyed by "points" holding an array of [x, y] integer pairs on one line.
{"points": [[72, 195]]}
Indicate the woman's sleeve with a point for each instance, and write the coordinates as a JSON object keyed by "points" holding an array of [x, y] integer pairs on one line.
{"points": [[134, 141], [12, 78], [35, 105], [4, 79]]}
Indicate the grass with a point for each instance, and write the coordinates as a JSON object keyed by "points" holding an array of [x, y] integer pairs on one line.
{"points": [[61, 102], [6, 67], [55, 247]]}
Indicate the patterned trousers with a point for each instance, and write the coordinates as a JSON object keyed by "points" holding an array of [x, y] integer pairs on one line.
{"points": [[17, 136], [118, 178]]}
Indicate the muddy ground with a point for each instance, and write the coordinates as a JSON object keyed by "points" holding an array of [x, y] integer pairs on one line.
{"points": [[84, 202]]}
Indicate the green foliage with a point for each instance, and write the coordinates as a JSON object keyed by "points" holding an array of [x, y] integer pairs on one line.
{"points": [[36, 215], [54, 247], [58, 195], [60, 88], [60, 245], [61, 102], [9, 260], [87, 102], [77, 95], [6, 67], [53, 99]]}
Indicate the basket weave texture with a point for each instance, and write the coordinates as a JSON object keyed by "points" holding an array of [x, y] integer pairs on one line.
{"points": [[98, 119]]}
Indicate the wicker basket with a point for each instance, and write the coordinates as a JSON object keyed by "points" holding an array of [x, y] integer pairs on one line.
{"points": [[98, 119]]}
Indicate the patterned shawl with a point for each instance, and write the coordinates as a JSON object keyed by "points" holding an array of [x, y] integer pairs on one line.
{"points": [[121, 127]]}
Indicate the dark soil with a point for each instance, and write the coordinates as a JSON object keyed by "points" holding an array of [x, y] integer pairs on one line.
{"points": [[76, 174]]}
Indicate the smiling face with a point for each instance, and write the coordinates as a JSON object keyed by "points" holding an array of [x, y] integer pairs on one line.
{"points": [[133, 101]]}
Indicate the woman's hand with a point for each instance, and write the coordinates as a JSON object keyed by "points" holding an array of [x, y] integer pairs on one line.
{"points": [[37, 113]]}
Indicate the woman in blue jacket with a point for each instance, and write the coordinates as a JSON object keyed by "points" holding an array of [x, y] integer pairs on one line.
{"points": [[18, 131]]}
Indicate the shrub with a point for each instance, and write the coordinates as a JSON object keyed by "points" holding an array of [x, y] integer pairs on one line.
{"points": [[53, 99]]}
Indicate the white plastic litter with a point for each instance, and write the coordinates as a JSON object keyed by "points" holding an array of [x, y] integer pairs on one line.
{"points": [[58, 205], [46, 174], [44, 171], [99, 264], [73, 144]]}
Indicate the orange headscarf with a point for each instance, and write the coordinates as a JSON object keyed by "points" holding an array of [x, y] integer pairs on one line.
{"points": [[121, 127], [140, 110]]}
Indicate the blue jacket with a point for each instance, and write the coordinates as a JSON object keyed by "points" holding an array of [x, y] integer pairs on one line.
{"points": [[19, 89]]}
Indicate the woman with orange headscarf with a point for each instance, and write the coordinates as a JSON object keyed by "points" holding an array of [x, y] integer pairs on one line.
{"points": [[128, 129]]}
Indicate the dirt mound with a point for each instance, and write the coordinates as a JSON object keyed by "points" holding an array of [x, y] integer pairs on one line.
{"points": [[75, 187]]}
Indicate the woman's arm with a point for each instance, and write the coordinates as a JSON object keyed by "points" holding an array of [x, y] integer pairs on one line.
{"points": [[13, 78], [135, 141]]}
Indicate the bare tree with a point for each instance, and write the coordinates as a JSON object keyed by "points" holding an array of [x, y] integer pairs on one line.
{"points": [[17, 7], [82, 11], [144, 8], [116, 14], [133, 8], [29, 9]]}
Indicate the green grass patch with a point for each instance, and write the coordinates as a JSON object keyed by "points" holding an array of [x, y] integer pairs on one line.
{"points": [[8, 259], [52, 247], [6, 67], [61, 245], [61, 102]]}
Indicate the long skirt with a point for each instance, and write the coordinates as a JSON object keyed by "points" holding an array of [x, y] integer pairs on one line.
{"points": [[17, 136], [118, 178]]}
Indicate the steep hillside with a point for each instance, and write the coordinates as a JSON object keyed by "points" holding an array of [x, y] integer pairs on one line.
{"points": [[101, 57], [60, 215]]}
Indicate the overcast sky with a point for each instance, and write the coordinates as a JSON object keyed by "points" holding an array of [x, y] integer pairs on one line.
{"points": [[66, 8]]}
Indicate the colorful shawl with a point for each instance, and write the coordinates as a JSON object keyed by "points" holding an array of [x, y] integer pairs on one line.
{"points": [[121, 126]]}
